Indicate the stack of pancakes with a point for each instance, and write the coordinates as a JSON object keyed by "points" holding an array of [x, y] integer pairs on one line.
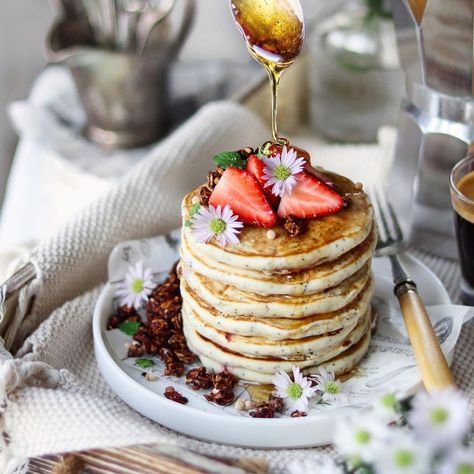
{"points": [[266, 305]]}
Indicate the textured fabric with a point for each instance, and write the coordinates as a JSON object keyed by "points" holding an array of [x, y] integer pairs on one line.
{"points": [[60, 402]]}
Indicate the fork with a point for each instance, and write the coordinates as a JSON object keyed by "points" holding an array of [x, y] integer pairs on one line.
{"points": [[429, 356]]}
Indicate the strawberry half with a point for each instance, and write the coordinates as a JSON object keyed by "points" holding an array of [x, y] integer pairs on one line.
{"points": [[256, 166], [309, 198], [241, 191]]}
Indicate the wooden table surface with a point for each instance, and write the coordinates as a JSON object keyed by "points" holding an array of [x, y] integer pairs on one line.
{"points": [[151, 459]]}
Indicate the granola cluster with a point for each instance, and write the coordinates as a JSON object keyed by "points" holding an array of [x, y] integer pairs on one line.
{"points": [[268, 409], [223, 391], [222, 385], [294, 226], [199, 379], [124, 314], [213, 178], [163, 333], [298, 414], [174, 396]]}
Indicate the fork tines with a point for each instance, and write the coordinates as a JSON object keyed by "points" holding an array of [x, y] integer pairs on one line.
{"points": [[390, 232]]}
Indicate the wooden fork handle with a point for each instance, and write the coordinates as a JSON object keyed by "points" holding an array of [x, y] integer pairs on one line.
{"points": [[431, 361]]}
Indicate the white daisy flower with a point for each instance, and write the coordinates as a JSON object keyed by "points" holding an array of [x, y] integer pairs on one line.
{"points": [[460, 461], [320, 465], [280, 171], [358, 438], [295, 392], [385, 407], [440, 419], [133, 291], [216, 222], [400, 453], [330, 388]]}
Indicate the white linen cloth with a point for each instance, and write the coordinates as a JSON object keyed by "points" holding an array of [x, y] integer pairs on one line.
{"points": [[57, 399]]}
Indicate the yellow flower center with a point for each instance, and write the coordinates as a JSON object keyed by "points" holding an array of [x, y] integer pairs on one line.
{"points": [[439, 416], [282, 173], [362, 437], [465, 469], [403, 459], [333, 388], [294, 391], [137, 285], [389, 401], [218, 226]]}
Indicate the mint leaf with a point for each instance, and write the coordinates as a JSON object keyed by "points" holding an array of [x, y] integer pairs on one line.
{"points": [[144, 363], [230, 159], [192, 212], [130, 328]]}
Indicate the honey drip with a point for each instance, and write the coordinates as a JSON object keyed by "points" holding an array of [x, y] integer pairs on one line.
{"points": [[274, 33]]}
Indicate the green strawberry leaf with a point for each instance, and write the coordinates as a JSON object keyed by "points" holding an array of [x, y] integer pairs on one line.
{"points": [[130, 328], [192, 212], [144, 363], [264, 150], [230, 159]]}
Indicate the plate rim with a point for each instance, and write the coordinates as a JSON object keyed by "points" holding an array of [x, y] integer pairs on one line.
{"points": [[107, 363]]}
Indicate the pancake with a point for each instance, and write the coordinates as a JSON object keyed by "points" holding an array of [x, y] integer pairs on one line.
{"points": [[289, 349], [340, 359], [265, 305], [308, 281], [279, 328], [325, 239], [344, 363], [233, 301]]}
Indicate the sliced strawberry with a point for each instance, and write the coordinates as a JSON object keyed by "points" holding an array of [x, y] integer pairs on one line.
{"points": [[241, 191], [256, 166], [309, 198]]}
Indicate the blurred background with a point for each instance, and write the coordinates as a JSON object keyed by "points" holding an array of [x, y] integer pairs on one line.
{"points": [[25, 23], [83, 99]]}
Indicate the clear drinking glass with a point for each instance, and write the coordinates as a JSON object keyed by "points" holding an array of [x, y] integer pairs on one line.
{"points": [[462, 196]]}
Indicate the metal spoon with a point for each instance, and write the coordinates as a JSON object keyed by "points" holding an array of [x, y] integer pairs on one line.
{"points": [[128, 17], [108, 10], [149, 21], [273, 30], [95, 19]]}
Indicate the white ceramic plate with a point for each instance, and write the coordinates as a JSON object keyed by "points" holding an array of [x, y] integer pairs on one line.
{"points": [[206, 421]]}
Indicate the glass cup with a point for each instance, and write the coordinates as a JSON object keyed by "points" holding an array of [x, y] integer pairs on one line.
{"points": [[462, 196]]}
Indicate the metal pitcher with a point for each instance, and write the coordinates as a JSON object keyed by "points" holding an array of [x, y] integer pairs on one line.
{"points": [[124, 93], [436, 124]]}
